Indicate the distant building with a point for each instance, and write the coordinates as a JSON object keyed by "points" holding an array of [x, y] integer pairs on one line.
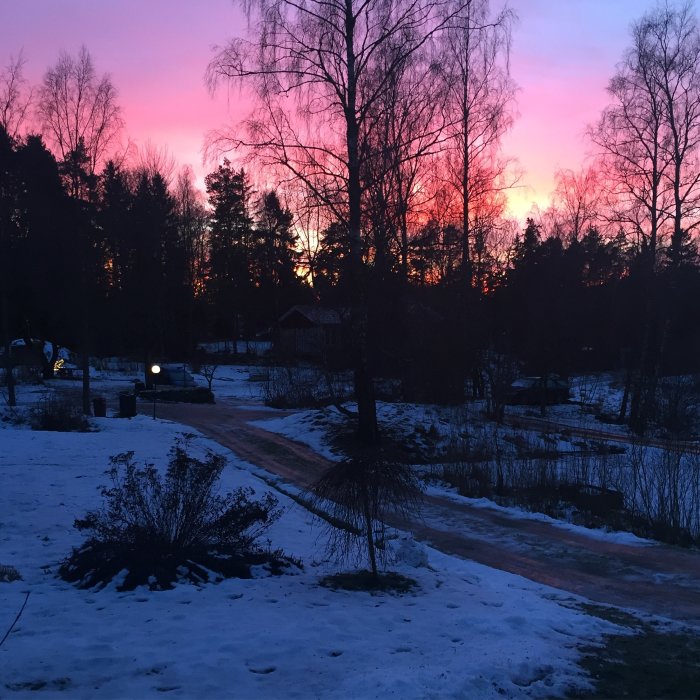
{"points": [[312, 332]]}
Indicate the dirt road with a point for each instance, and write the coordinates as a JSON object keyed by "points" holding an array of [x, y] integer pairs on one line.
{"points": [[657, 579]]}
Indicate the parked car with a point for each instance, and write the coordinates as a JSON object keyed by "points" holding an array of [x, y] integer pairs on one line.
{"points": [[529, 391], [175, 375]]}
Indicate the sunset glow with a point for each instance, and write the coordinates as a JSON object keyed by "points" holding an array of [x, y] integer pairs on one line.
{"points": [[562, 57]]}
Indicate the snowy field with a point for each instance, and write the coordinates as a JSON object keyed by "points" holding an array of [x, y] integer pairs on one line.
{"points": [[468, 632]]}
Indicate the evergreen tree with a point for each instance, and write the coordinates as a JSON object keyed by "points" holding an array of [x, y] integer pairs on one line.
{"points": [[231, 234], [153, 258], [275, 259]]}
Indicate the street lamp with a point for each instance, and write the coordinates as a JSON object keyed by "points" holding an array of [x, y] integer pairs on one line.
{"points": [[155, 371]]}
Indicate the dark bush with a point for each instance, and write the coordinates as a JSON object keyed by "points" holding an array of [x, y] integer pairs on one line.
{"points": [[287, 387], [198, 394], [160, 529], [63, 414], [677, 407], [9, 574]]}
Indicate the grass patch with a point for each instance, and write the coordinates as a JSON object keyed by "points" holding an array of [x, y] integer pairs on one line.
{"points": [[388, 582], [650, 663]]}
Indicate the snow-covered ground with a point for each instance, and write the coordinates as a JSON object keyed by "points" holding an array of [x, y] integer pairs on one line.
{"points": [[469, 631]]}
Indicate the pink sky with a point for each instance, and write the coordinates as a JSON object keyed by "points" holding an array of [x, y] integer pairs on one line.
{"points": [[564, 52]]}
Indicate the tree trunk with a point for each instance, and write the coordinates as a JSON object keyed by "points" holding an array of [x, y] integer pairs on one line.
{"points": [[369, 534], [47, 366], [9, 376], [622, 414], [367, 428], [85, 363]]}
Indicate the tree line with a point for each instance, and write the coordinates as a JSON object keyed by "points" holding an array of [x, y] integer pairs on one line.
{"points": [[380, 123]]}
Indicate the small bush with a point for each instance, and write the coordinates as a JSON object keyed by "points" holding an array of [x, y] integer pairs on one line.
{"points": [[175, 527], [9, 574], [307, 387], [677, 407], [287, 387], [63, 414]]}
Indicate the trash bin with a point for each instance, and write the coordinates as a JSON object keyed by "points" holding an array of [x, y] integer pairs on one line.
{"points": [[127, 405], [99, 407]]}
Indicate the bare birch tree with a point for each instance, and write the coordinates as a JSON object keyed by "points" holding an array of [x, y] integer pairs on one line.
{"points": [[649, 138], [15, 97], [192, 224], [312, 67], [633, 144], [476, 47], [577, 202], [671, 43], [405, 132], [79, 109], [80, 118], [632, 140]]}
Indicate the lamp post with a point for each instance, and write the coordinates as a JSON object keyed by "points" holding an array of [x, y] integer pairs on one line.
{"points": [[155, 371]]}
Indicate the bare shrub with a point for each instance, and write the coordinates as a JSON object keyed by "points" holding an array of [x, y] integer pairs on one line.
{"points": [[587, 389], [286, 387], [208, 371], [362, 493], [59, 413], [664, 493], [9, 574], [297, 387], [161, 529], [501, 371], [677, 407]]}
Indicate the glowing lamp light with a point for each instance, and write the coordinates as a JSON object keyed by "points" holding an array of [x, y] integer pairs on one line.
{"points": [[155, 371]]}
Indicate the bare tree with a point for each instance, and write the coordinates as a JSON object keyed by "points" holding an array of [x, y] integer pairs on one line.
{"points": [[671, 42], [649, 139], [577, 202], [362, 495], [631, 138], [208, 371], [313, 69], [192, 228], [15, 96], [476, 53], [80, 117], [630, 135], [152, 159], [405, 132], [78, 109]]}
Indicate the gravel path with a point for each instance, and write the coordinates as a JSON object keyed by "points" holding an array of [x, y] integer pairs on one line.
{"points": [[658, 579]]}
